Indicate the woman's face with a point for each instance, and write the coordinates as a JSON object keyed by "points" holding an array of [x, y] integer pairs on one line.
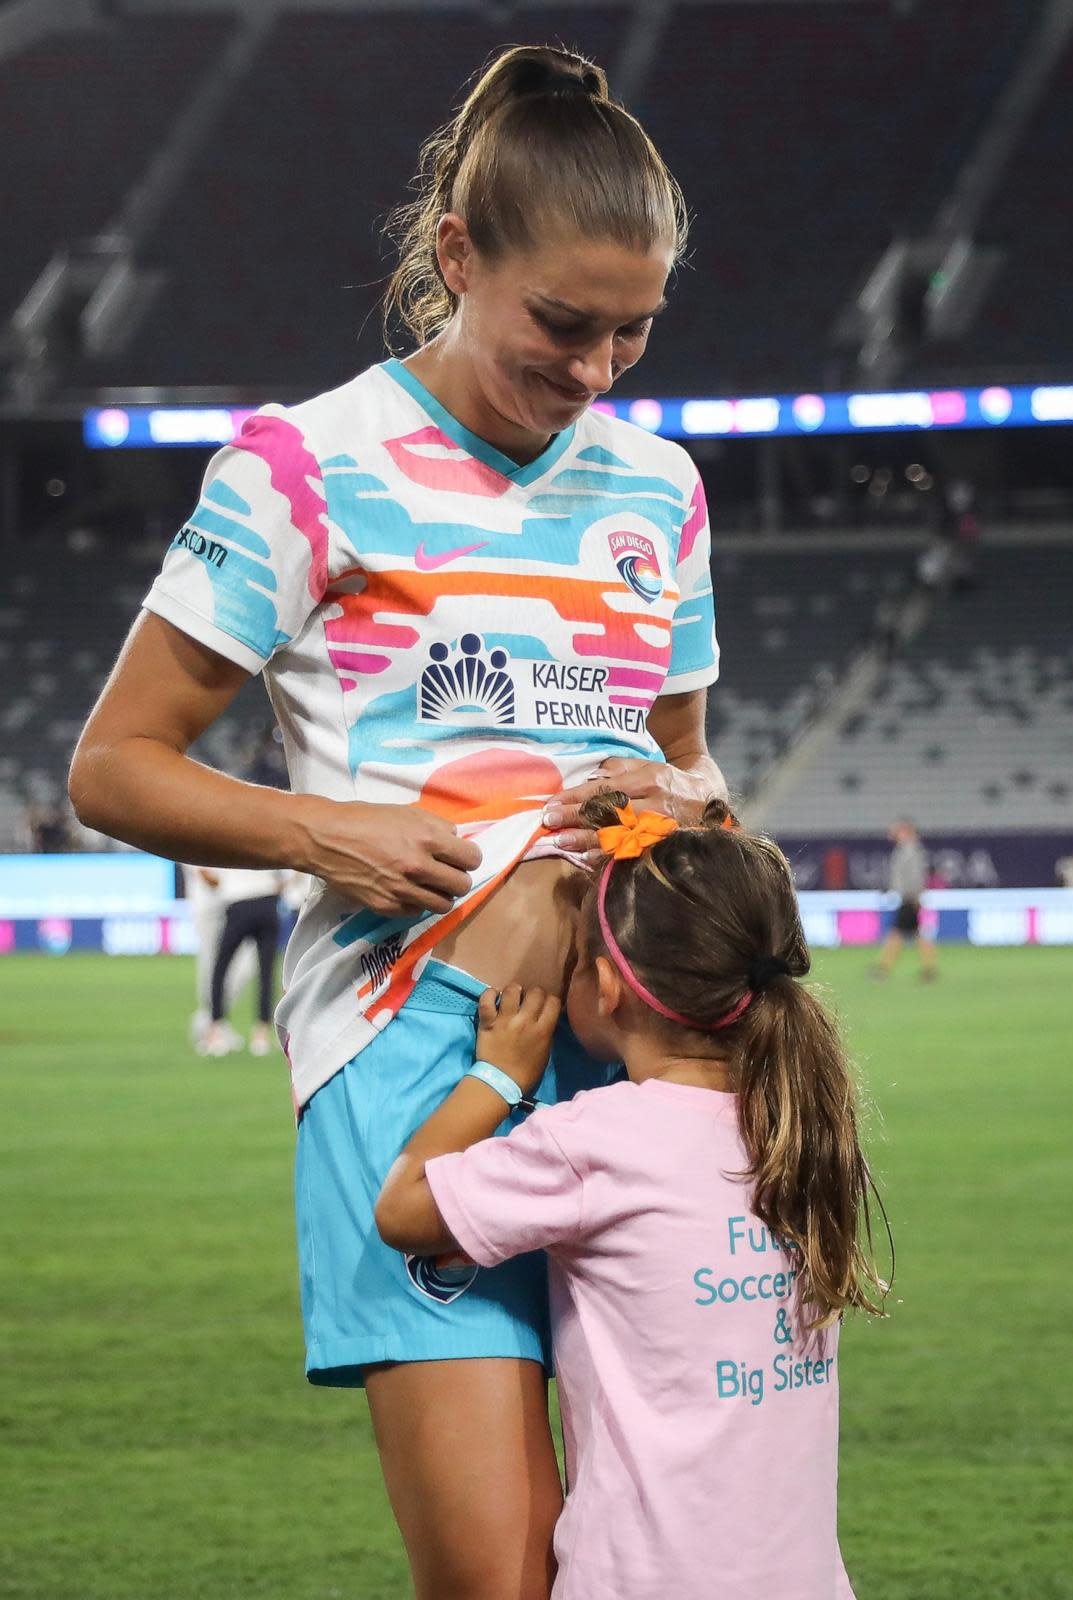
{"points": [[547, 331]]}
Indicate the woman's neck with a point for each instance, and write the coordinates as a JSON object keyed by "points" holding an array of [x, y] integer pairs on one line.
{"points": [[445, 371]]}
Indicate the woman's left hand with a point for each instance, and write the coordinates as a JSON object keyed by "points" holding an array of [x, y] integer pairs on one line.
{"points": [[650, 786]]}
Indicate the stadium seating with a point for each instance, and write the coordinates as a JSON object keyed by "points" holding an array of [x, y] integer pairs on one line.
{"points": [[789, 623], [53, 675], [806, 139], [80, 115], [803, 150], [273, 253], [1026, 325], [970, 727]]}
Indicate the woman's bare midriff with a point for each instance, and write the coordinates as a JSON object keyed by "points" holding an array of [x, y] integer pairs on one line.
{"points": [[524, 931]]}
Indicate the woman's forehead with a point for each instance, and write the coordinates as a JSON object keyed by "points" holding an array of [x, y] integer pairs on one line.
{"points": [[595, 279]]}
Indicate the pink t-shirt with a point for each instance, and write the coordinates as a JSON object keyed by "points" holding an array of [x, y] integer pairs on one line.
{"points": [[701, 1425]]}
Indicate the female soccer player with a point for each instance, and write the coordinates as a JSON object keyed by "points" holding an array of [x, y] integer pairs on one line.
{"points": [[701, 1219], [474, 599]]}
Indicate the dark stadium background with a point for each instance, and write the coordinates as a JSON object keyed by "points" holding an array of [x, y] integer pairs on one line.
{"points": [[191, 202]]}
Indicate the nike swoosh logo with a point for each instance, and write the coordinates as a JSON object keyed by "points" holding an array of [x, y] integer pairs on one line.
{"points": [[428, 563]]}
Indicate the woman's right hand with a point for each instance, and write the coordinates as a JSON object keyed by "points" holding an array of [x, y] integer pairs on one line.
{"points": [[395, 859]]}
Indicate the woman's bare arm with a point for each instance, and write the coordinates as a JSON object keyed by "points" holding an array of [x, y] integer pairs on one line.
{"points": [[677, 723], [132, 779]]}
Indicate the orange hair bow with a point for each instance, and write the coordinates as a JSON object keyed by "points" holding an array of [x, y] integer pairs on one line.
{"points": [[633, 833]]}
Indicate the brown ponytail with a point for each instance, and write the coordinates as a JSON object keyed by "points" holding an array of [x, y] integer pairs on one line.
{"points": [[798, 1118], [703, 917], [536, 144]]}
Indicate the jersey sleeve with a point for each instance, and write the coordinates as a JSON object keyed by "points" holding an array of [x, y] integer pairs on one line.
{"points": [[243, 575], [694, 650], [505, 1196]]}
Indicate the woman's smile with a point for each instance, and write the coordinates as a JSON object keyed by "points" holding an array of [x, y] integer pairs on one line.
{"points": [[580, 397]]}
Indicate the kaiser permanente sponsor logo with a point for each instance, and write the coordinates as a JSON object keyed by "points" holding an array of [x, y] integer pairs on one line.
{"points": [[560, 695], [468, 685]]}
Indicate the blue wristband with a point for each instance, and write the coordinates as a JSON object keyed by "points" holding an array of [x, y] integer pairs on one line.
{"points": [[500, 1081]]}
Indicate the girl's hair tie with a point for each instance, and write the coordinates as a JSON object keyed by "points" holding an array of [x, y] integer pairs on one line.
{"points": [[634, 833], [767, 967]]}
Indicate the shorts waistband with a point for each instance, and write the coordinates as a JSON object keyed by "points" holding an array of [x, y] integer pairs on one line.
{"points": [[442, 987]]}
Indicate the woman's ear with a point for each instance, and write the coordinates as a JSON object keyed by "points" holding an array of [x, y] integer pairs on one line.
{"points": [[454, 250]]}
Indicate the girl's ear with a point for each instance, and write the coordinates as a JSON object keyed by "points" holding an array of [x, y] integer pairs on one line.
{"points": [[609, 988]]}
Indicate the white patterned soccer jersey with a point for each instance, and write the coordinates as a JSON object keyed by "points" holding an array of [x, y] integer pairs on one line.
{"points": [[438, 626]]}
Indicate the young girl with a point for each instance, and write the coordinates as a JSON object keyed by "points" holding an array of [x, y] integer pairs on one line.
{"points": [[702, 1219]]}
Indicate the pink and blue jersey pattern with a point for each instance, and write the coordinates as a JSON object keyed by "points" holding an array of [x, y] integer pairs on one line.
{"points": [[438, 626]]}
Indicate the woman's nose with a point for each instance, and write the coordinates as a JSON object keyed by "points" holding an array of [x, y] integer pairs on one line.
{"points": [[594, 369]]}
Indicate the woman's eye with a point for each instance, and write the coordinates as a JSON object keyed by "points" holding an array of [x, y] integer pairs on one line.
{"points": [[558, 330], [565, 331]]}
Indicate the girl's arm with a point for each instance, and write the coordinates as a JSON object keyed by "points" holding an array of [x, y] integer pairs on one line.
{"points": [[131, 778], [516, 1038]]}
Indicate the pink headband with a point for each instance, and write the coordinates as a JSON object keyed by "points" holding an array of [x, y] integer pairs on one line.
{"points": [[638, 987]]}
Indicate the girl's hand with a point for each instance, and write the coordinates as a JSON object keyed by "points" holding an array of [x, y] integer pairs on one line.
{"points": [[393, 859], [650, 786], [516, 1037]]}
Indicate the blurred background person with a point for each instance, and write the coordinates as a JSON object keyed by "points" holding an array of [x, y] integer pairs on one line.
{"points": [[249, 898], [908, 880], [208, 911], [48, 829]]}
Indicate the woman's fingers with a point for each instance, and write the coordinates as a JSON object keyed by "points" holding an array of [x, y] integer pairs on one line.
{"points": [[396, 859], [577, 840], [454, 851], [639, 780], [447, 882]]}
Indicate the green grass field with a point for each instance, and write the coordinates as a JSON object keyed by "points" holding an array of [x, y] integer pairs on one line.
{"points": [[159, 1441]]}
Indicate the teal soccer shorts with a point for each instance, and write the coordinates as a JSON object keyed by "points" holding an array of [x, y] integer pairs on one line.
{"points": [[361, 1301]]}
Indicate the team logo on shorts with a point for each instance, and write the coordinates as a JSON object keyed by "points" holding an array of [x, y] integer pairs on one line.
{"points": [[638, 565], [442, 1277], [463, 686]]}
